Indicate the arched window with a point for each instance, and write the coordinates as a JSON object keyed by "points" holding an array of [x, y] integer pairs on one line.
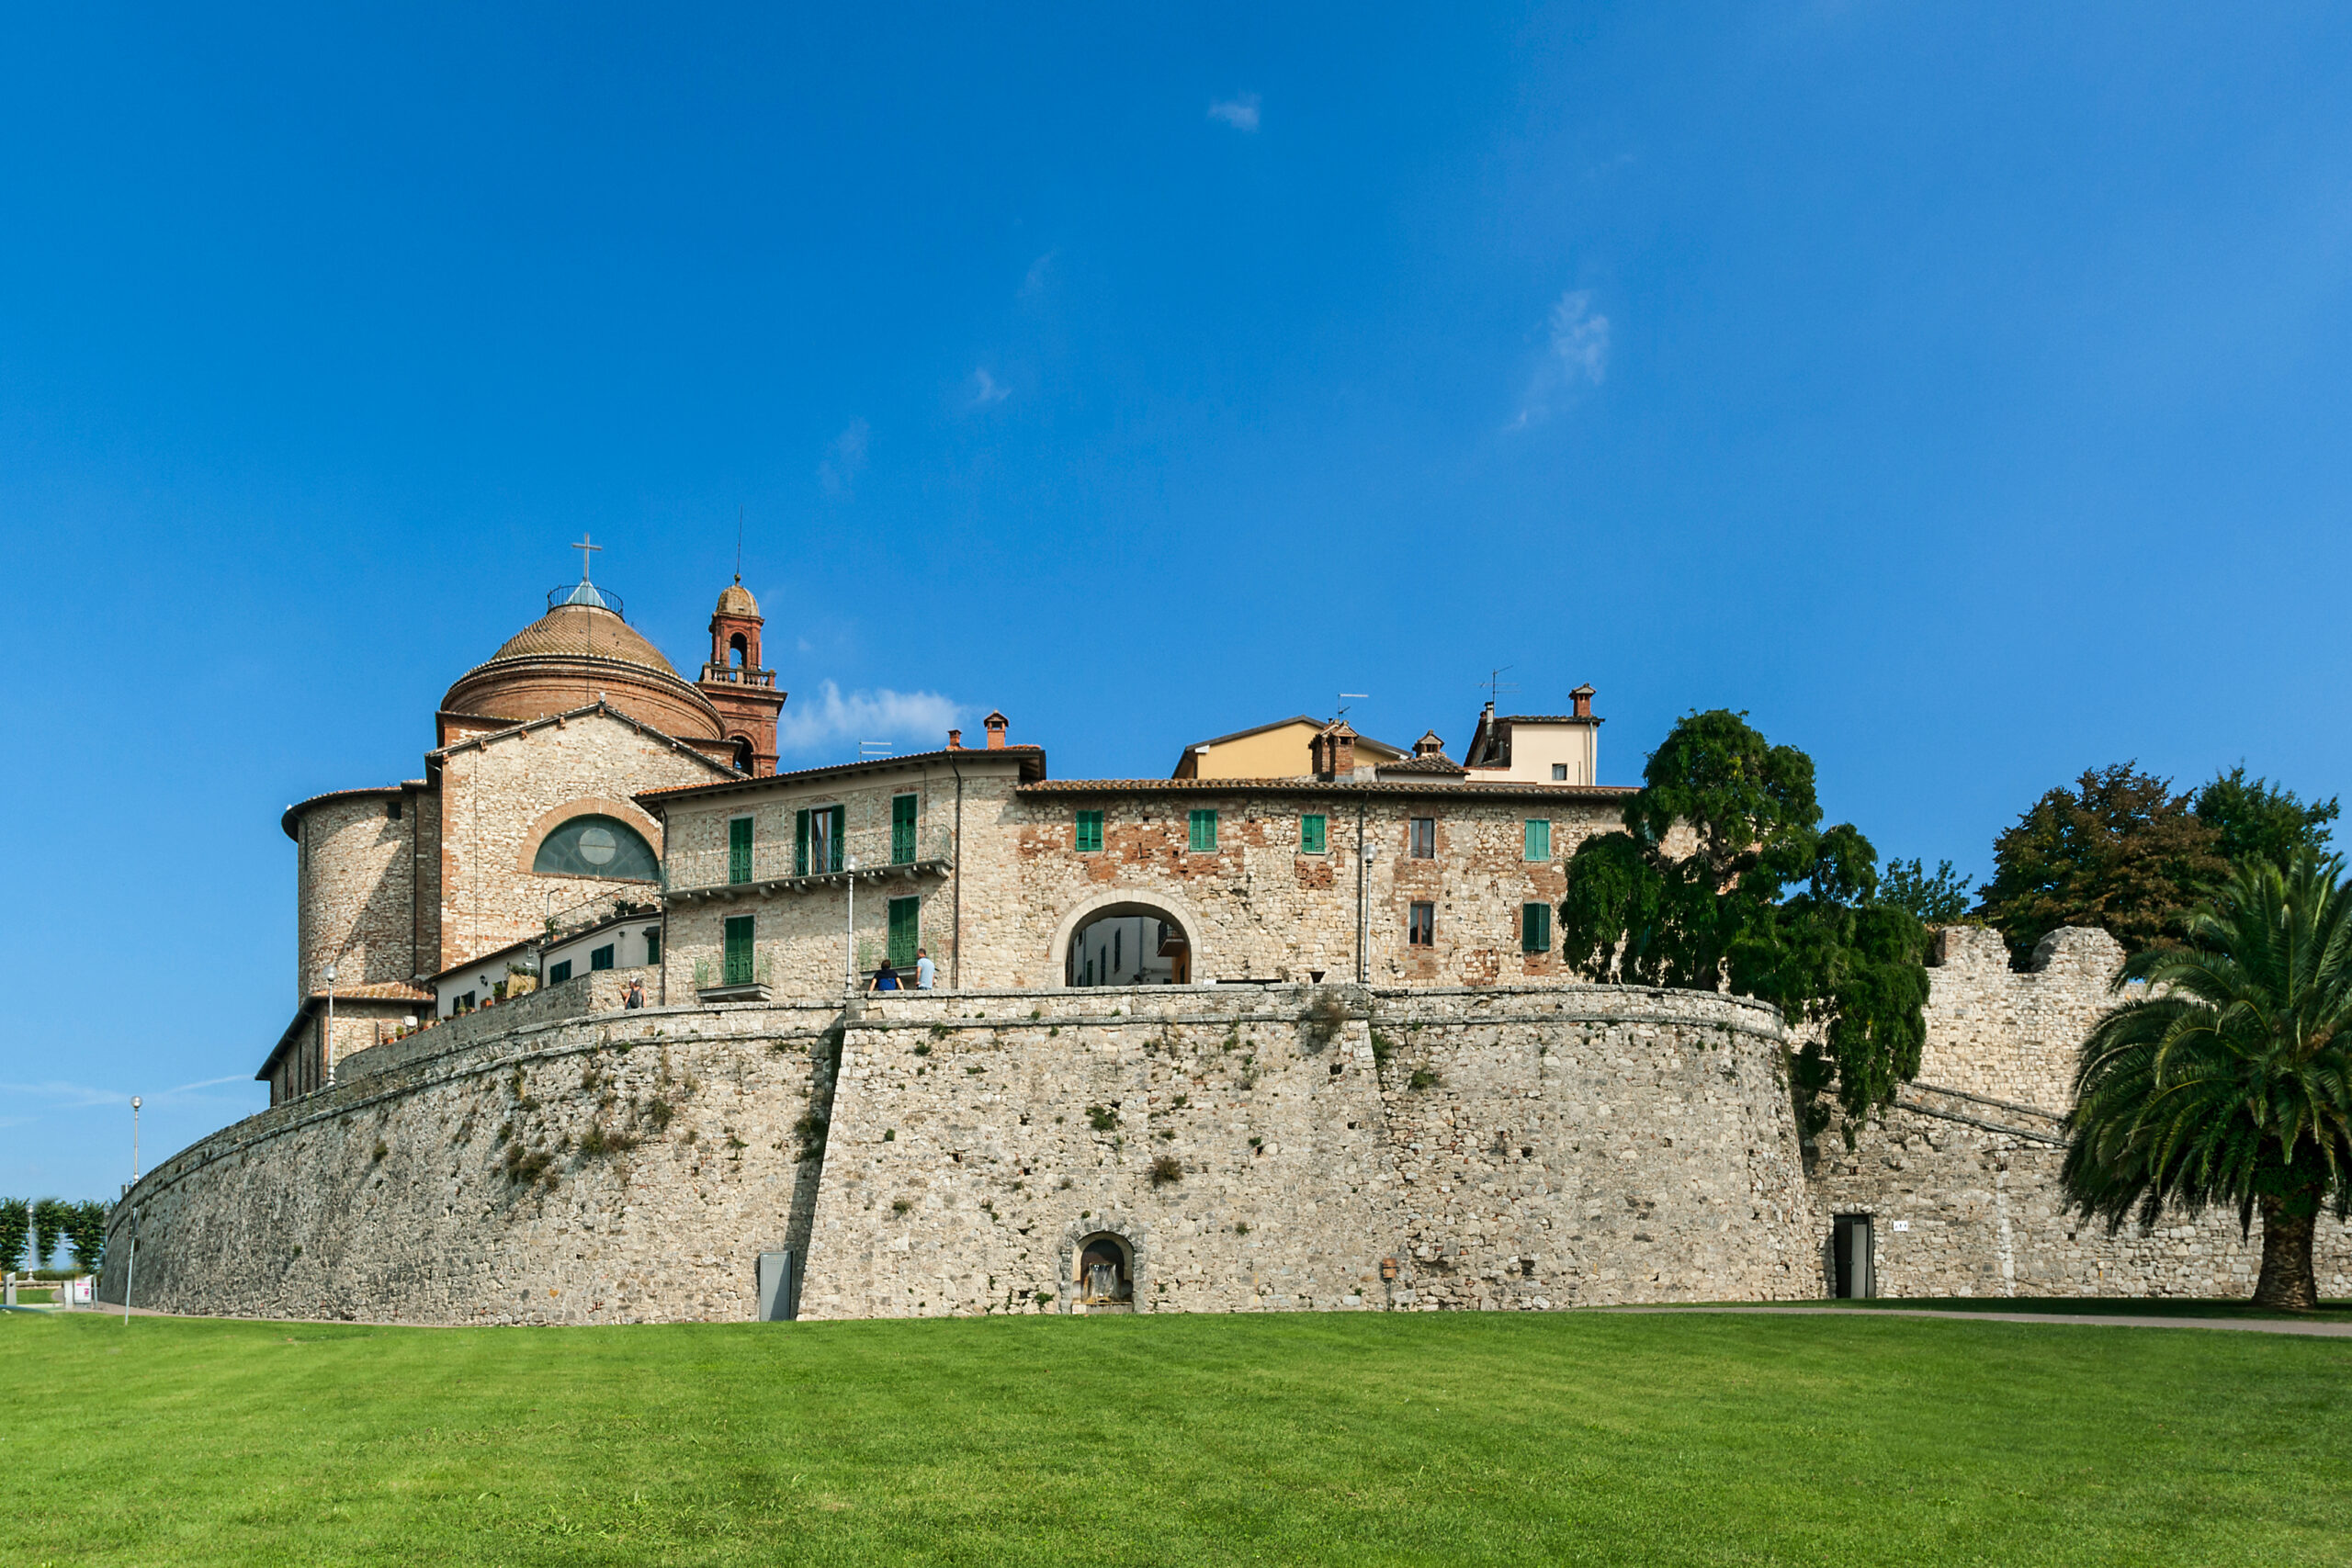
{"points": [[737, 650], [744, 757], [596, 846]]}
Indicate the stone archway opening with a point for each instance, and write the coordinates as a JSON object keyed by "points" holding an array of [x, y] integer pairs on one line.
{"points": [[1104, 1274], [1129, 944]]}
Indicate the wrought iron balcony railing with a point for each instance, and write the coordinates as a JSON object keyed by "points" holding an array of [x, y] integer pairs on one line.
{"points": [[866, 853]]}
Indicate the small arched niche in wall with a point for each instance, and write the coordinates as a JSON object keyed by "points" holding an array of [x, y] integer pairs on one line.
{"points": [[1104, 1273]]}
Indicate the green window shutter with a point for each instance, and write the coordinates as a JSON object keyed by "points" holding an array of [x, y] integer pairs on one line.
{"points": [[1204, 832], [739, 849], [801, 842], [906, 930], [1539, 840], [902, 829], [738, 966], [1312, 834], [1089, 834], [1535, 928], [840, 814], [653, 946]]}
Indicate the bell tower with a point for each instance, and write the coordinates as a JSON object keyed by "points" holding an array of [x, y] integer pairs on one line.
{"points": [[742, 689]]}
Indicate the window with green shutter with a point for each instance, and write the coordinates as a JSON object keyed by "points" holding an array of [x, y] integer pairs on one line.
{"points": [[817, 834], [906, 930], [1204, 832], [902, 829], [601, 957], [738, 964], [1535, 926], [1089, 836], [1539, 840], [739, 849], [1313, 830]]}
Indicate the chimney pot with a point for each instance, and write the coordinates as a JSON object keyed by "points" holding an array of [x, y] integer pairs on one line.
{"points": [[996, 723], [1582, 697], [954, 740]]}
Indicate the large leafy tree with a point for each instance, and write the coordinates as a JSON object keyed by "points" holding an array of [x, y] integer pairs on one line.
{"points": [[2256, 819], [2230, 1079], [1723, 875], [2121, 849], [15, 1221], [2124, 851], [1937, 897]]}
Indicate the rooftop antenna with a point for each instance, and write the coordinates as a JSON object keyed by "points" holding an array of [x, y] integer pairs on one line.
{"points": [[874, 748], [739, 542], [1360, 697], [1494, 686]]}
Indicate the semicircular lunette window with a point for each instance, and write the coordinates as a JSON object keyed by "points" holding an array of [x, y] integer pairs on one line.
{"points": [[596, 846]]}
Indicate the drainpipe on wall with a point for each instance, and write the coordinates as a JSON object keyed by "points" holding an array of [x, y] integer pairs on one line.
{"points": [[956, 955], [1364, 863]]}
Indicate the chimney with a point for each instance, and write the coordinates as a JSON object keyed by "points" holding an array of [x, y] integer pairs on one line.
{"points": [[996, 723], [1335, 750], [1428, 745], [954, 740], [1582, 697]]}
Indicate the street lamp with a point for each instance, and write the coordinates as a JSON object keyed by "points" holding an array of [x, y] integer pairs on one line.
{"points": [[326, 1041], [135, 1140], [849, 937]]}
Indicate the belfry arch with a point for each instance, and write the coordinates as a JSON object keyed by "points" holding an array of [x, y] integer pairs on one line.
{"points": [[1127, 937]]}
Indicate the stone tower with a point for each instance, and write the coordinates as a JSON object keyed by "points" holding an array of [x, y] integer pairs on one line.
{"points": [[738, 685]]}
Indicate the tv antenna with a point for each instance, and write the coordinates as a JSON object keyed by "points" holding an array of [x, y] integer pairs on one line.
{"points": [[1494, 686], [1360, 697], [874, 748], [739, 542]]}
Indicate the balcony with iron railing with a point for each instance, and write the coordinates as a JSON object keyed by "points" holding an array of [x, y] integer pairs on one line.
{"points": [[780, 864]]}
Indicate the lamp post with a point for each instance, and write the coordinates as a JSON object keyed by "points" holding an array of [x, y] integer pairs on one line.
{"points": [[849, 937], [326, 1041], [135, 1140]]}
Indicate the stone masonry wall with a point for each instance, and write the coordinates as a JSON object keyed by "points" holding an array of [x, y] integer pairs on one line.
{"points": [[1967, 1163], [468, 1187], [498, 798], [978, 1140], [355, 901], [1593, 1145], [630, 1167]]}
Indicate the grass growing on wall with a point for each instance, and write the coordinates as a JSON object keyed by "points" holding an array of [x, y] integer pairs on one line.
{"points": [[1283, 1439]]}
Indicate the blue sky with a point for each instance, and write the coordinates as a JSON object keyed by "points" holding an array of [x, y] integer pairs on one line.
{"points": [[1959, 392]]}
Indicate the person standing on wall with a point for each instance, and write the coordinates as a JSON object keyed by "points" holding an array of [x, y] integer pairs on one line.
{"points": [[635, 994]]}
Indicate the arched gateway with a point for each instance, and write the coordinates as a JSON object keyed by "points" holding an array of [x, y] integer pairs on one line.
{"points": [[1123, 937]]}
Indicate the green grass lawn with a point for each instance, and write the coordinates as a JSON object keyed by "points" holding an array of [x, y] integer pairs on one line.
{"points": [[2092, 1306], [1564, 1437]]}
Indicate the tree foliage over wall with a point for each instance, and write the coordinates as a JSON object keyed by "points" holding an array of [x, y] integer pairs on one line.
{"points": [[1724, 874], [2122, 850], [1937, 897]]}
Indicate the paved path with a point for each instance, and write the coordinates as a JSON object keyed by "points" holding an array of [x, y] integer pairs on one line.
{"points": [[2338, 1330]]}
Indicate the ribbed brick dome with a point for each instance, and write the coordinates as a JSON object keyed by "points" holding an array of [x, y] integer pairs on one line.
{"points": [[568, 658]]}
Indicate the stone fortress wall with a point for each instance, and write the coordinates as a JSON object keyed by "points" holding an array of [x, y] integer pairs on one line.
{"points": [[1961, 1177], [1531, 1147], [1505, 1148]]}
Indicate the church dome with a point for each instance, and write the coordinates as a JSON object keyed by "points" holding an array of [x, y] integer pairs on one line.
{"points": [[582, 649], [736, 599]]}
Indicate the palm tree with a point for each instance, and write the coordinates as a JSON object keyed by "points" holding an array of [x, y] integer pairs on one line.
{"points": [[2230, 1079]]}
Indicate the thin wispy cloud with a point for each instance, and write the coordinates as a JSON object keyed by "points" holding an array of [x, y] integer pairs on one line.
{"points": [[1239, 111], [882, 715], [61, 1095], [1040, 273], [986, 391], [844, 460], [1576, 357]]}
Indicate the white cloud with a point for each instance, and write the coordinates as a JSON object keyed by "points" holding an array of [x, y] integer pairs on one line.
{"points": [[1239, 112], [1579, 356], [882, 715], [845, 459], [63, 1096], [985, 390], [1040, 272]]}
